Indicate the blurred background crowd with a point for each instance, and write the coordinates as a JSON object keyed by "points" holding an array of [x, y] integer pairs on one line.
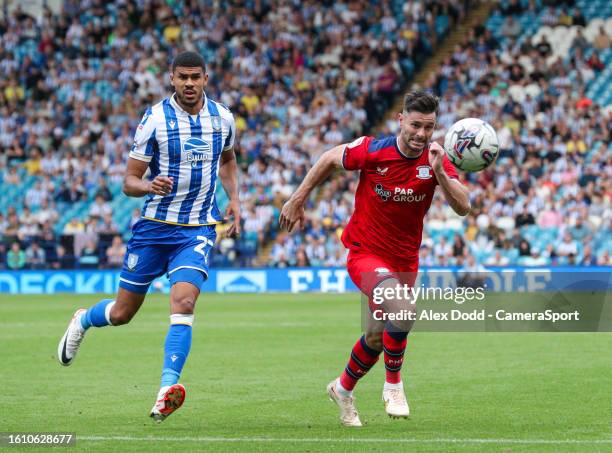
{"points": [[301, 77]]}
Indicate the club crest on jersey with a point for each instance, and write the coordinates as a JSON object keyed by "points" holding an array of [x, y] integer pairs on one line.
{"points": [[216, 123], [424, 172], [196, 150], [132, 261], [382, 171]]}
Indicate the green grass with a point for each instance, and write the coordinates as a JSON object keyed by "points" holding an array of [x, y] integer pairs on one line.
{"points": [[258, 368]]}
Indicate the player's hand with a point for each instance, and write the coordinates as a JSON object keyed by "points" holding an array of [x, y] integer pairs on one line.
{"points": [[292, 214], [161, 185], [436, 157], [233, 213]]}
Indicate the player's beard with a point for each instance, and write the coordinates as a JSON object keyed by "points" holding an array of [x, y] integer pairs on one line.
{"points": [[412, 147]]}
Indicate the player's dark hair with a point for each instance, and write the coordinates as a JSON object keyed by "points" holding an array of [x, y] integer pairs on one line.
{"points": [[421, 101], [189, 60]]}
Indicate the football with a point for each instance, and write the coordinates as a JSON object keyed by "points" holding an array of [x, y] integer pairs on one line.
{"points": [[471, 144]]}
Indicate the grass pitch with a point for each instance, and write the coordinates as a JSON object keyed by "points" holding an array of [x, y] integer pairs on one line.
{"points": [[257, 373]]}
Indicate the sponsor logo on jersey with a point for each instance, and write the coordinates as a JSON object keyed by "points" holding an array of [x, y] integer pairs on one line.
{"points": [[382, 171], [399, 194], [383, 193], [196, 150], [424, 172], [382, 270], [404, 195]]}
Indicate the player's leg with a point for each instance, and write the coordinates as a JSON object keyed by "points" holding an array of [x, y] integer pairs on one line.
{"points": [[367, 349], [183, 296], [363, 357], [188, 270], [144, 261], [394, 339], [107, 312]]}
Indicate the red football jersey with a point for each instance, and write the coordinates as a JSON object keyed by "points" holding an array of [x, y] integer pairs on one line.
{"points": [[393, 196]]}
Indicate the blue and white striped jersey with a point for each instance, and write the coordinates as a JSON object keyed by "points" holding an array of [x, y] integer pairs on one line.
{"points": [[186, 148]]}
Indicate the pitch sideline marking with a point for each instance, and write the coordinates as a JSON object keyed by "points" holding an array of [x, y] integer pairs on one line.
{"points": [[347, 440]]}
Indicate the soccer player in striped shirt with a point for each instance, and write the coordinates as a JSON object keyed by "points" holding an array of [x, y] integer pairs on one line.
{"points": [[398, 178], [186, 142]]}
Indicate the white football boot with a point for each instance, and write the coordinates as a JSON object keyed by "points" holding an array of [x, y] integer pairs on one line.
{"points": [[169, 399], [348, 412], [70, 342], [395, 402]]}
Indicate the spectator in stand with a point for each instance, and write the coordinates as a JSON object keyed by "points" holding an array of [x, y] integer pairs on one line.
{"points": [[15, 258], [115, 253], [511, 29], [12, 177], [602, 40], [301, 258], [107, 225], [36, 257], [74, 226], [36, 196], [103, 190], [89, 256], [497, 259], [568, 246], [100, 208], [47, 214], [133, 219], [458, 246]]}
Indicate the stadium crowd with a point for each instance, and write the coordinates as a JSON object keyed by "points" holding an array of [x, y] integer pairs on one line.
{"points": [[299, 80], [78, 82], [546, 201]]}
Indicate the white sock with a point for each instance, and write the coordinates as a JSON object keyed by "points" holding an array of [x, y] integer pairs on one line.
{"points": [[342, 391], [389, 385]]}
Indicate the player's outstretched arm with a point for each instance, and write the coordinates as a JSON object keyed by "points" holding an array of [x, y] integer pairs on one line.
{"points": [[293, 210], [134, 186], [228, 173], [456, 194]]}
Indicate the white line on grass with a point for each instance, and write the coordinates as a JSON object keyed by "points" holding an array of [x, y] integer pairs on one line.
{"points": [[348, 440]]}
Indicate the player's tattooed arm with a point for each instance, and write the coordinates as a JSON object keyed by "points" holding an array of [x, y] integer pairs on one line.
{"points": [[456, 194], [135, 186], [292, 213], [228, 173]]}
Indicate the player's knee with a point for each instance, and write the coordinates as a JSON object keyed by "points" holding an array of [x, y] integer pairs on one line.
{"points": [[374, 340], [120, 316], [183, 304]]}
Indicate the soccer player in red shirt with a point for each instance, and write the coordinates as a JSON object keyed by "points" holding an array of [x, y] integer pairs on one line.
{"points": [[397, 182]]}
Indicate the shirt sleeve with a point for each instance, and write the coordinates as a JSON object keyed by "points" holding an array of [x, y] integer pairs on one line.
{"points": [[355, 154], [145, 142], [229, 140], [449, 168]]}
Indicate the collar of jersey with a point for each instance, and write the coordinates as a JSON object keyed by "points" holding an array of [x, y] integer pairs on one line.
{"points": [[402, 154], [177, 107]]}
